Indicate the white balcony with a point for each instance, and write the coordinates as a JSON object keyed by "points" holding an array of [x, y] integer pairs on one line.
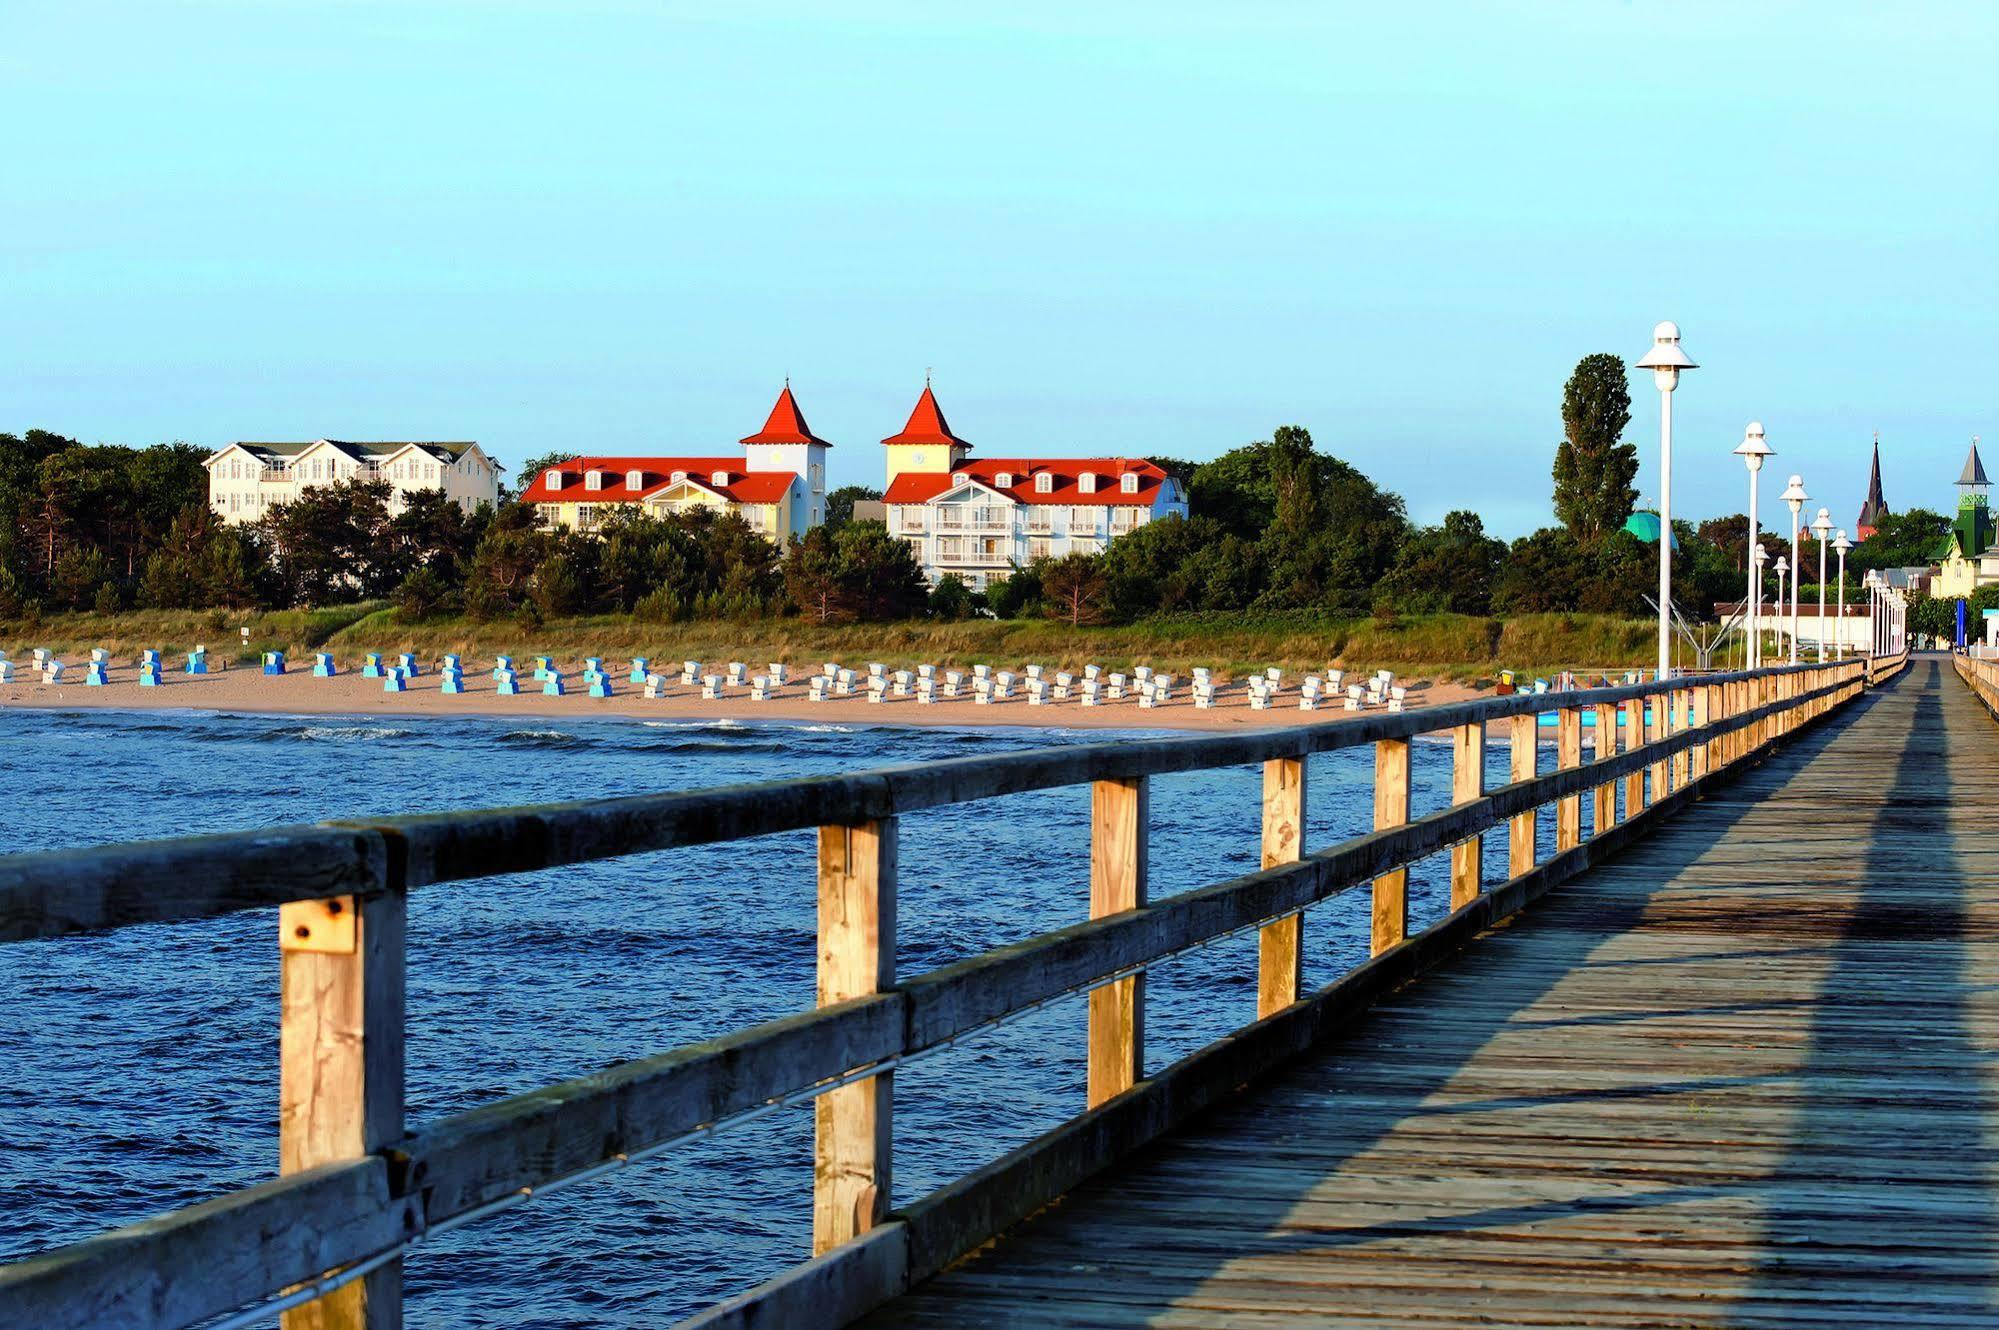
{"points": [[967, 518], [986, 553]]}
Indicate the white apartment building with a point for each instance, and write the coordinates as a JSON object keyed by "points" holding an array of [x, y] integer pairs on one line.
{"points": [[246, 480], [978, 519]]}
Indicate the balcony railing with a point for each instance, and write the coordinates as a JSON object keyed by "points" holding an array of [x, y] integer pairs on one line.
{"points": [[975, 519], [988, 552]]}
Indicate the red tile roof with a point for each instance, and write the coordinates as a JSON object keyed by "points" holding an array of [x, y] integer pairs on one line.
{"points": [[655, 473], [926, 425], [786, 424], [1066, 474]]}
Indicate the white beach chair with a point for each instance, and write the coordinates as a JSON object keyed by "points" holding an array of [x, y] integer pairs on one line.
{"points": [[982, 691], [1276, 677], [982, 671], [1093, 672], [1063, 683], [902, 683], [952, 682], [1145, 699], [926, 690], [815, 690], [1202, 675], [1308, 696], [1204, 694], [877, 688], [1090, 690], [690, 673], [655, 685], [1037, 692], [52, 672], [1355, 694], [1003, 686], [926, 672], [1033, 672], [1141, 674], [830, 671], [1116, 690], [1396, 697], [876, 670], [1336, 681], [739, 673], [711, 687], [760, 688], [777, 674]]}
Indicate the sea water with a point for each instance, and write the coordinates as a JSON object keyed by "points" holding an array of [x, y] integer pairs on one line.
{"points": [[141, 1065]]}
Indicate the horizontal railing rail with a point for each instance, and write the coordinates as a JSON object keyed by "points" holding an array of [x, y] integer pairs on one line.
{"points": [[357, 1189], [1982, 676]]}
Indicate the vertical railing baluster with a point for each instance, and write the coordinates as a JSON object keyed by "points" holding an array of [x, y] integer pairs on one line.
{"points": [[1568, 756], [1634, 739], [1280, 947], [1119, 817], [1603, 799], [340, 1052], [853, 1139], [1521, 828], [1467, 784], [1391, 809], [1661, 704]]}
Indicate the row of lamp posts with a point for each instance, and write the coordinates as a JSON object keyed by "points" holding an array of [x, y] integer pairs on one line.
{"points": [[1886, 605]]}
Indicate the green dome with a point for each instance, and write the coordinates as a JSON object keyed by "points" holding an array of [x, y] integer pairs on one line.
{"points": [[1645, 526]]}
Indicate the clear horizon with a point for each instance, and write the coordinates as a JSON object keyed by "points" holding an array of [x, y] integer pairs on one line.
{"points": [[612, 227]]}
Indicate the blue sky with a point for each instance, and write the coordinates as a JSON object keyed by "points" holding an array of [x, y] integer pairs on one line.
{"points": [[1153, 228]]}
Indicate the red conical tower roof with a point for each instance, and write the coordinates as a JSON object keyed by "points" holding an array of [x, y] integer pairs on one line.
{"points": [[786, 423], [926, 424]]}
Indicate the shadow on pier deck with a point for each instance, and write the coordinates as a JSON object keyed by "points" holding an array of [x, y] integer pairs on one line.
{"points": [[1738, 1075]]}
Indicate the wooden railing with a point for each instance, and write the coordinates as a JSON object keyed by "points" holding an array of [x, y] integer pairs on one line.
{"points": [[1983, 678], [327, 1237], [1882, 668]]}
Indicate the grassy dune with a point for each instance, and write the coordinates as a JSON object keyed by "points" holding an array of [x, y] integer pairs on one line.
{"points": [[1445, 646]]}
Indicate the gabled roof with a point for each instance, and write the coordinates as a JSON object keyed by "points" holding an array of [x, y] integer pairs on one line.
{"points": [[927, 425], [1065, 474], [656, 474], [360, 452], [786, 424]]}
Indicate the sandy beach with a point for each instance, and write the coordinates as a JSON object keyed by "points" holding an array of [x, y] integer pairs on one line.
{"points": [[297, 692]]}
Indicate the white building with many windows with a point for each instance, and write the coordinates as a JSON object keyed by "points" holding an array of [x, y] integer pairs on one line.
{"points": [[979, 518], [246, 480]]}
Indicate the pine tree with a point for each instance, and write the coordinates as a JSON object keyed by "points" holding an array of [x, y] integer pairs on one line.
{"points": [[1593, 468]]}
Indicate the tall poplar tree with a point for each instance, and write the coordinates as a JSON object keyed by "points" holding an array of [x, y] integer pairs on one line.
{"points": [[1593, 467]]}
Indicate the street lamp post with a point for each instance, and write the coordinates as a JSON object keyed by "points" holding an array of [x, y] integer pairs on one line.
{"points": [[1666, 360], [1841, 546], [1822, 527], [1758, 556], [1873, 584], [1783, 566], [1795, 497], [1752, 450]]}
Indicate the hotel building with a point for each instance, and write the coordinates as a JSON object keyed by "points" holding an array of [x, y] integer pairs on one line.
{"points": [[246, 480]]}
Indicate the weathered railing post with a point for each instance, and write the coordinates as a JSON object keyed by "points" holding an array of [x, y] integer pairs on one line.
{"points": [[1634, 739], [1603, 799], [1568, 756], [340, 1054], [1525, 744], [1703, 753], [852, 1132], [1391, 809], [1679, 719], [1280, 947], [1467, 784], [1119, 818], [1662, 705]]}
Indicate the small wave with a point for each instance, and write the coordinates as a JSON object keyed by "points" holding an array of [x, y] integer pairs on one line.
{"points": [[721, 723], [540, 738], [345, 733], [829, 729], [707, 746]]}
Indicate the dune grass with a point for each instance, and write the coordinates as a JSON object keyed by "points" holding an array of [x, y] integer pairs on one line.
{"points": [[1466, 648]]}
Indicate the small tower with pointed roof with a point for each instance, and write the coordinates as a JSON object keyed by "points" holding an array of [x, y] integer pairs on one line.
{"points": [[1974, 521], [926, 443], [1875, 507], [787, 443]]}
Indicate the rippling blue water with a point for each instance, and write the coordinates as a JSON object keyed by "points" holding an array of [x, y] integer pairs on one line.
{"points": [[141, 1066]]}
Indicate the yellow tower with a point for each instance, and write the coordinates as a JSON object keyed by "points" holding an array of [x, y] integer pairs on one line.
{"points": [[926, 443]]}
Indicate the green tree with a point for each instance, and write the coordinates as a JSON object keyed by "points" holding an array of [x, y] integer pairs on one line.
{"points": [[1911, 538], [1593, 467], [422, 594], [840, 503], [532, 469], [812, 577], [1446, 568], [1073, 587], [951, 599]]}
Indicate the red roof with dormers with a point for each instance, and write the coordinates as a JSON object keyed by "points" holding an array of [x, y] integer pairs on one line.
{"points": [[1065, 480], [655, 474], [786, 424], [927, 425]]}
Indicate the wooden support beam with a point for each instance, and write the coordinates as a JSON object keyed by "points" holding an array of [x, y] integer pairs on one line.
{"points": [[852, 1127], [1520, 832], [1280, 967], [1467, 783], [340, 1067], [1603, 800], [1391, 809], [1634, 738], [1568, 756], [1119, 825]]}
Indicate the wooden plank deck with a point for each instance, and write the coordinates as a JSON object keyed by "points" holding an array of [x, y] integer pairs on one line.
{"points": [[1743, 1076]]}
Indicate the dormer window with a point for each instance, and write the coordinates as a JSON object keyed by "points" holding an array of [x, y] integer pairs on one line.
{"points": [[720, 478], [1087, 483], [1044, 483], [679, 476], [635, 480], [593, 480], [1004, 480], [1128, 483], [552, 478]]}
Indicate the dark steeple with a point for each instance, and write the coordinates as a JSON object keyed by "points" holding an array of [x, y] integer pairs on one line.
{"points": [[1876, 507]]}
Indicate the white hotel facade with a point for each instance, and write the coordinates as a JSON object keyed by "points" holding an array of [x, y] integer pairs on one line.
{"points": [[979, 518], [246, 480]]}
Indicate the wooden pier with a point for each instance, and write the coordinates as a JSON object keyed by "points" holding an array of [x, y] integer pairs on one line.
{"points": [[1731, 1072]]}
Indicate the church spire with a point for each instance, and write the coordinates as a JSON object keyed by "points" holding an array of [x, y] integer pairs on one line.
{"points": [[1876, 507]]}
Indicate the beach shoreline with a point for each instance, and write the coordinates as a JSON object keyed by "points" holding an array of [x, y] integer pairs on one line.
{"points": [[297, 692]]}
